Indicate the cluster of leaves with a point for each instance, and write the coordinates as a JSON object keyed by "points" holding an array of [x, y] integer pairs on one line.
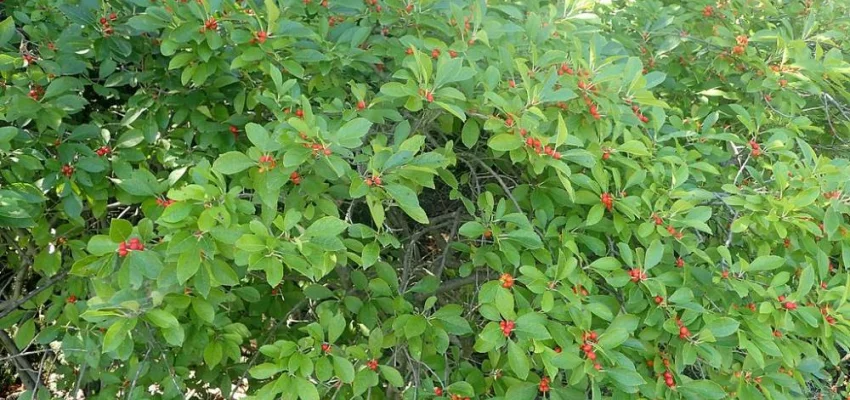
{"points": [[425, 199]]}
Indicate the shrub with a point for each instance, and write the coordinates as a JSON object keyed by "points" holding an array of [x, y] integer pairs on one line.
{"points": [[435, 199]]}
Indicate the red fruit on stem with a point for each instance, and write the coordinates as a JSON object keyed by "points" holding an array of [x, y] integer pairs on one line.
{"points": [[361, 105], [507, 280]]}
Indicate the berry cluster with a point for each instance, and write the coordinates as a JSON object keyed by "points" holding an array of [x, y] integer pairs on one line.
{"points": [[332, 20], [438, 391], [361, 105], [326, 347], [658, 220], [507, 280], [607, 200], [788, 305], [259, 37], [828, 318], [507, 327], [587, 347], [234, 131], [459, 397], [680, 262], [435, 53], [565, 69], [544, 384], [579, 289], [428, 95], [708, 11], [637, 275], [267, 162], [593, 109], [641, 117], [742, 41], [372, 364], [659, 300], [299, 113], [67, 170], [373, 3], [28, 59], [676, 234], [36, 92], [295, 178], [125, 247], [164, 202], [684, 332], [71, 299], [538, 146], [104, 24], [668, 379], [374, 181], [755, 148], [103, 150], [210, 25]]}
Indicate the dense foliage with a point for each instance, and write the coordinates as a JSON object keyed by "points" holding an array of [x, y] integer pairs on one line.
{"points": [[385, 199]]}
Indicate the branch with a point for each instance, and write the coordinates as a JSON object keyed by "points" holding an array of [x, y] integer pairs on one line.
{"points": [[297, 307], [25, 370], [455, 284], [10, 306]]}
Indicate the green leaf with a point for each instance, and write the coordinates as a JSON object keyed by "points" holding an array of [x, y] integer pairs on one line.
{"points": [[723, 326], [116, 334], [100, 245], [343, 369], [305, 389], [653, 254], [392, 375], [518, 360], [213, 354], [505, 142], [634, 147], [162, 318], [203, 309], [606, 264], [612, 338], [7, 30], [25, 334], [120, 230], [469, 135], [766, 263], [461, 388], [628, 379], [702, 389], [408, 201], [233, 162], [187, 265], [351, 134], [325, 226], [264, 371]]}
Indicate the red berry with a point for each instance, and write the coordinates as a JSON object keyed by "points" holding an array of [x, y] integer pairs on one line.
{"points": [[430, 97], [377, 180], [512, 83], [680, 262], [372, 364], [368, 181], [593, 336], [587, 347], [509, 122], [72, 299], [435, 53], [299, 113], [659, 299], [591, 356], [438, 391], [606, 155], [597, 366], [507, 280], [556, 156], [361, 105], [103, 21], [790, 305], [326, 347], [452, 53]]}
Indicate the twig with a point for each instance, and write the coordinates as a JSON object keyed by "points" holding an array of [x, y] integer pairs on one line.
{"points": [[9, 306], [439, 271], [138, 372], [297, 307], [168, 365], [79, 380], [496, 176], [25, 371], [38, 378]]}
